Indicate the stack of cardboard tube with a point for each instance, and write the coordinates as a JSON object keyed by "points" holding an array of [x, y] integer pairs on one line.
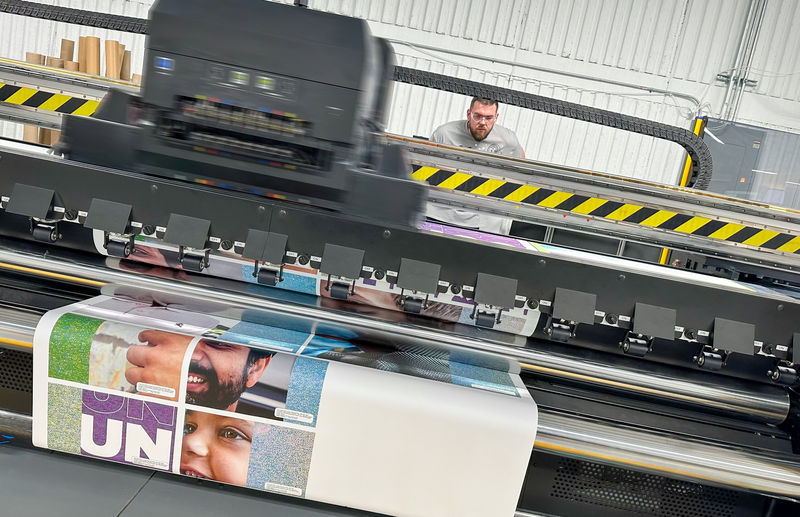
{"points": [[117, 66]]}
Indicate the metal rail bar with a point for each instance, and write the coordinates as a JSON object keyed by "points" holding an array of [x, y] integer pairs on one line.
{"points": [[683, 387], [555, 175]]}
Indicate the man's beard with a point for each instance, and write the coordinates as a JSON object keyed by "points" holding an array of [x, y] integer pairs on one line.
{"points": [[217, 395], [477, 136]]}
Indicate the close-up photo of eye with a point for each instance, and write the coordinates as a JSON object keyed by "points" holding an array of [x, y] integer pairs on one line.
{"points": [[232, 433]]}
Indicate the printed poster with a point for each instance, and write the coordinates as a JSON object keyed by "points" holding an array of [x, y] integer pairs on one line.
{"points": [[262, 407], [151, 255]]}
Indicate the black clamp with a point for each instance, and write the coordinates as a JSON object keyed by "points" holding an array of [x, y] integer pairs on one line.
{"points": [[569, 309], [342, 262], [729, 337], [734, 336], [419, 278], [649, 322], [191, 236], [38, 205], [495, 293], [266, 248], [114, 220]]}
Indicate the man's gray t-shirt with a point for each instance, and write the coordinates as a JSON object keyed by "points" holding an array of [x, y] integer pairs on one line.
{"points": [[499, 141]]}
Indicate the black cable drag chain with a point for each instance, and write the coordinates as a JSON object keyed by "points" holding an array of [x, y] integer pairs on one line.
{"points": [[694, 145]]}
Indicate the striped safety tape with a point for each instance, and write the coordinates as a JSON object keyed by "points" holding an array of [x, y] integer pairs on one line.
{"points": [[47, 101], [607, 209]]}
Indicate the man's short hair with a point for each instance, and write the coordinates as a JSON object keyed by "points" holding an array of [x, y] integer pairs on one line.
{"points": [[484, 101], [256, 354]]}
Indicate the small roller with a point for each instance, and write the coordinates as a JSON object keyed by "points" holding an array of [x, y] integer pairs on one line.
{"points": [[45, 233]]}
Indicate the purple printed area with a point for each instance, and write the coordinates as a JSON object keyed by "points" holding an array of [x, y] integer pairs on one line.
{"points": [[127, 430], [472, 234]]}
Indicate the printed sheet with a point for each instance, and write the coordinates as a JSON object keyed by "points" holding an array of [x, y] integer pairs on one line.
{"points": [[374, 292], [251, 404]]}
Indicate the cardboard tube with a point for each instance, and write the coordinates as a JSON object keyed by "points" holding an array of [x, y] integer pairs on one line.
{"points": [[44, 136], [112, 59], [82, 54], [32, 57], [71, 65], [92, 55], [67, 49], [55, 62], [49, 136], [125, 73], [30, 134]]}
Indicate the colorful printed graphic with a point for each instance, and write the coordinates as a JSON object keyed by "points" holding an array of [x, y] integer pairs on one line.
{"points": [[127, 430], [216, 401], [369, 295]]}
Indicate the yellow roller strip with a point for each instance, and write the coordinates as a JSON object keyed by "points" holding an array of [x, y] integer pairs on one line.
{"points": [[791, 246], [54, 102], [455, 180], [15, 342], [50, 274], [692, 225], [589, 206], [727, 231], [760, 238], [658, 218], [555, 199], [521, 193], [21, 96], [623, 212], [664, 256], [87, 108], [424, 173], [488, 186]]}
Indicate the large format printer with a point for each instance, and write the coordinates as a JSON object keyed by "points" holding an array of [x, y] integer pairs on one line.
{"points": [[662, 390]]}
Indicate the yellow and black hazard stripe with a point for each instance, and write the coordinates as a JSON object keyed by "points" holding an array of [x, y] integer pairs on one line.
{"points": [[607, 209], [48, 101]]}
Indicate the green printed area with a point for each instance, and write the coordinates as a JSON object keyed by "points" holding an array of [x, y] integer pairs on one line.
{"points": [[64, 418], [70, 343]]}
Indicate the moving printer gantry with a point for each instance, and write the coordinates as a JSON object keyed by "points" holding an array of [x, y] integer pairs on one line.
{"points": [[274, 152]]}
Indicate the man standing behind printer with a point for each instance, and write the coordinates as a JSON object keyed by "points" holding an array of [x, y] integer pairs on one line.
{"points": [[481, 133]]}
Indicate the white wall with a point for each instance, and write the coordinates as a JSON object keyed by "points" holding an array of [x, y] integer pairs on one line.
{"points": [[567, 49]]}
